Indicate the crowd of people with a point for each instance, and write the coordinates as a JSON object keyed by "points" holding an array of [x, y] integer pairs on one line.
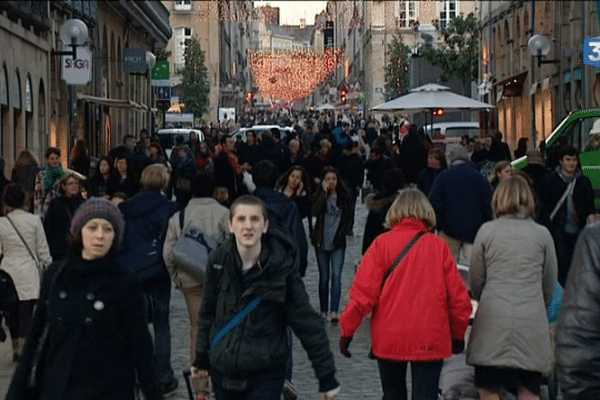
{"points": [[71, 237]]}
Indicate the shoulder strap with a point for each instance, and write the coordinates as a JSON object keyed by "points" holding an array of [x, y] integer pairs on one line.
{"points": [[560, 202], [23, 240], [235, 321], [181, 218], [401, 256]]}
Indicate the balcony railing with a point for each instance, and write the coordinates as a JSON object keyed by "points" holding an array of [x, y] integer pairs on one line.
{"points": [[30, 12], [183, 6]]}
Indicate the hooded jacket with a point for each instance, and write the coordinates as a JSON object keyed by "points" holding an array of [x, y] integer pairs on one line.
{"points": [[257, 349], [146, 218], [284, 213], [578, 328]]}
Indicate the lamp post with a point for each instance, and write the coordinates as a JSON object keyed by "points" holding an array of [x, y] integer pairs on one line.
{"points": [[539, 46], [73, 33]]}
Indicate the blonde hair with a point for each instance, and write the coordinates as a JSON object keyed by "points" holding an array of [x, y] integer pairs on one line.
{"points": [[413, 204], [155, 177], [511, 195]]}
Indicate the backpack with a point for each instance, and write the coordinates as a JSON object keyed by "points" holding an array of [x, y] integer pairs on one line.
{"points": [[191, 251]]}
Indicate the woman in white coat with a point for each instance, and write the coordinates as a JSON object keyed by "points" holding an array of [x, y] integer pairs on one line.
{"points": [[513, 276], [23, 259]]}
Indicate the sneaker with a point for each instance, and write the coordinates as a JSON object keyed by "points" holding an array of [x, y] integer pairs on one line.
{"points": [[333, 317], [168, 387], [289, 391]]}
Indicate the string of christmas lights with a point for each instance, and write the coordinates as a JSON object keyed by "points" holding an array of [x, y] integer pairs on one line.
{"points": [[290, 75]]}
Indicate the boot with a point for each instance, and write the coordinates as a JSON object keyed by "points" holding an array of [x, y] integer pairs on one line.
{"points": [[16, 348]]}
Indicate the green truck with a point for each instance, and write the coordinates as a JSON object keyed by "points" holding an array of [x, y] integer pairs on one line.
{"points": [[579, 128]]}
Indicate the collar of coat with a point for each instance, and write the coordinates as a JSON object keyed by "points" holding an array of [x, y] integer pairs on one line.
{"points": [[410, 224]]}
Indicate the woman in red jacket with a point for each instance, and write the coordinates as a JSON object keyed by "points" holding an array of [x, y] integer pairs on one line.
{"points": [[420, 312]]}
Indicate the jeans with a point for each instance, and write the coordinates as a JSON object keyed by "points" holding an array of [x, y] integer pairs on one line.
{"points": [[425, 377], [157, 292], [565, 247], [330, 260], [263, 390]]}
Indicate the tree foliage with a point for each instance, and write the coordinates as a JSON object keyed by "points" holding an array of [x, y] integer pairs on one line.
{"points": [[162, 54], [459, 54], [397, 69], [194, 84]]}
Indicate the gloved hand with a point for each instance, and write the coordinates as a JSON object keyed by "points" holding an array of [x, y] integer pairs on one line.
{"points": [[458, 346], [344, 344]]}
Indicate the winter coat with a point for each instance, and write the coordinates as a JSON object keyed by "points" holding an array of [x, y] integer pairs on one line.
{"points": [[552, 190], [318, 210], [98, 338], [130, 186], [97, 186], [425, 289], [146, 218], [376, 169], [412, 157], [57, 224], [16, 259], [578, 327], [426, 179], [225, 176], [205, 213], [462, 199], [352, 172], [512, 274], [378, 205], [283, 213], [257, 349]]}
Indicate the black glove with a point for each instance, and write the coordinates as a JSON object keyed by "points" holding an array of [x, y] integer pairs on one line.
{"points": [[344, 344], [458, 346]]}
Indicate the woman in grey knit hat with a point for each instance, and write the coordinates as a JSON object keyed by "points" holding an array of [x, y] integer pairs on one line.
{"points": [[89, 336]]}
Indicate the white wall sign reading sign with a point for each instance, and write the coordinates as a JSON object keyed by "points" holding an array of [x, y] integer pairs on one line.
{"points": [[78, 71]]}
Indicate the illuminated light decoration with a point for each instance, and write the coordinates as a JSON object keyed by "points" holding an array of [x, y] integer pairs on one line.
{"points": [[289, 75], [344, 96], [439, 112]]}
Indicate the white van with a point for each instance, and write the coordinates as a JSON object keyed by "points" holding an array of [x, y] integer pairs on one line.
{"points": [[445, 133], [168, 137]]}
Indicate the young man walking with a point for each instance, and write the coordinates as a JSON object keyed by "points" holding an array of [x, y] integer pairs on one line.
{"points": [[253, 292]]}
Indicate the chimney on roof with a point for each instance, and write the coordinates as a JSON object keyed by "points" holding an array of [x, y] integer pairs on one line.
{"points": [[303, 23]]}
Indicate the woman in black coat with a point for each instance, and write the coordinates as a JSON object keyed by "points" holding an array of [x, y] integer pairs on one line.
{"points": [[90, 321], [59, 215], [436, 163]]}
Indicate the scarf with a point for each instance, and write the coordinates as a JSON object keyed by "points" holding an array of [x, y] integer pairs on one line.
{"points": [[235, 165], [53, 174]]}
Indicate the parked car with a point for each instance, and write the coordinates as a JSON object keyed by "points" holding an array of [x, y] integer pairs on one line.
{"points": [[167, 137], [259, 129], [443, 134]]}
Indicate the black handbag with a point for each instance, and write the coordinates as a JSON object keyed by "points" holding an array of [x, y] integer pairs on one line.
{"points": [[8, 292]]}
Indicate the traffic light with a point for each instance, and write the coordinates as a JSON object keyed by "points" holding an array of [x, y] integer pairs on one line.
{"points": [[439, 112], [343, 96], [250, 95]]}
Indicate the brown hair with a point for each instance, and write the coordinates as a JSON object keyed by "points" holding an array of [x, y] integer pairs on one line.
{"points": [[248, 200], [512, 194], [25, 159], [63, 181], [413, 204]]}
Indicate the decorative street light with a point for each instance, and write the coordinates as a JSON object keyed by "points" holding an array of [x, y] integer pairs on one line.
{"points": [[539, 46], [74, 33]]}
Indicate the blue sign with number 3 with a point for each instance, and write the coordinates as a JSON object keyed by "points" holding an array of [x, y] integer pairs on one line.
{"points": [[591, 51]]}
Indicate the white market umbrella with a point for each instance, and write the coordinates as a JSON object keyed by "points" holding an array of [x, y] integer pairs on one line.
{"points": [[431, 97]]}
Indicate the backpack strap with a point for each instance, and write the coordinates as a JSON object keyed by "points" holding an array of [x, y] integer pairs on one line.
{"points": [[181, 218]]}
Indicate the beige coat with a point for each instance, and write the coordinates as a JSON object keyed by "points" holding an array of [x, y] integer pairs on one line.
{"points": [[17, 261], [208, 215], [513, 276]]}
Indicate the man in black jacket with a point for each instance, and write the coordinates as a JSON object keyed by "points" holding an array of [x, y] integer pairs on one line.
{"points": [[257, 266], [578, 329], [568, 201], [352, 172]]}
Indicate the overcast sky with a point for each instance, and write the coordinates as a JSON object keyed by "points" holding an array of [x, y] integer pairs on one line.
{"points": [[290, 12]]}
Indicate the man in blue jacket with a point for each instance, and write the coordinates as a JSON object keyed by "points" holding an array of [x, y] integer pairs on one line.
{"points": [[462, 199]]}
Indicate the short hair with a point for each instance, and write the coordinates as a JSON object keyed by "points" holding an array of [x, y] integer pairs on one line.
{"points": [[410, 203], [13, 196], [128, 137], [439, 155], [63, 181], [568, 150], [392, 180], [50, 151], [276, 133], [155, 177], [248, 200], [265, 174], [223, 139], [457, 152], [511, 194], [202, 185]]}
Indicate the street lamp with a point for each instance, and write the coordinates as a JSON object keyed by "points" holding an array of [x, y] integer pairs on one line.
{"points": [[539, 46], [150, 60], [74, 33]]}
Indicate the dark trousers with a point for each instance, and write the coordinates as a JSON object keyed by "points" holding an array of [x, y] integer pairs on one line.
{"points": [[18, 318], [425, 377], [565, 246], [263, 390]]}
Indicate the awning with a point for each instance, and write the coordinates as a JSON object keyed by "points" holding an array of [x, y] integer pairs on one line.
{"points": [[545, 83], [533, 88], [105, 101], [499, 95]]}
